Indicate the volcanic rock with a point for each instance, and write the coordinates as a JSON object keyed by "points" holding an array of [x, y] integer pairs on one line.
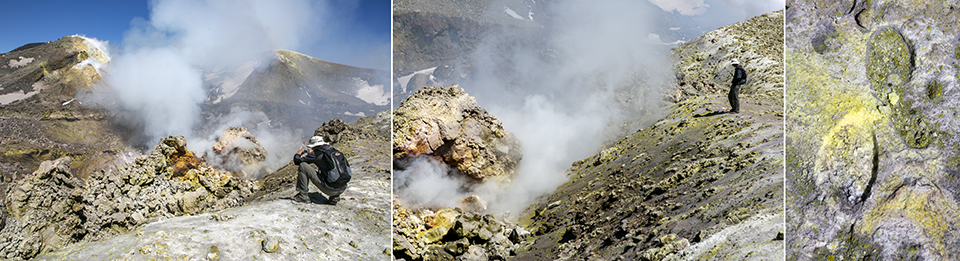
{"points": [[270, 244], [453, 234], [54, 208], [236, 149], [353, 230], [872, 160], [46, 211], [448, 124], [473, 203], [334, 130]]}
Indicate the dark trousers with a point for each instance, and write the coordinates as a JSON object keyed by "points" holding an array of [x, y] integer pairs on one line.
{"points": [[307, 174], [734, 98]]}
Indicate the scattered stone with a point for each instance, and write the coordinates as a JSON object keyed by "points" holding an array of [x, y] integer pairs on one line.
{"points": [[271, 244], [214, 253]]}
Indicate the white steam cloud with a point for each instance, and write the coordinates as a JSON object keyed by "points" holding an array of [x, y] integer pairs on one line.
{"points": [[157, 80], [592, 78]]}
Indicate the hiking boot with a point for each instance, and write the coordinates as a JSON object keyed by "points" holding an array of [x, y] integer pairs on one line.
{"points": [[333, 200], [302, 198]]}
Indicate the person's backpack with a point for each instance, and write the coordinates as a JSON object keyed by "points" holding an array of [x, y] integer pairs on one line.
{"points": [[744, 79], [339, 173]]}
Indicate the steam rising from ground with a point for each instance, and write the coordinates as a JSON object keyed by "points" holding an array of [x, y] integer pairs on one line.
{"points": [[158, 78], [593, 75]]}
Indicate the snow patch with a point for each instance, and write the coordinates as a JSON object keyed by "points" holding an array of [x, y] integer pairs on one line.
{"points": [[230, 84], [14, 63], [512, 13], [361, 114], [406, 79], [20, 95], [371, 94], [655, 38]]}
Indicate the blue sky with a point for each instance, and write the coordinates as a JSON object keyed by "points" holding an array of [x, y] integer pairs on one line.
{"points": [[352, 32]]}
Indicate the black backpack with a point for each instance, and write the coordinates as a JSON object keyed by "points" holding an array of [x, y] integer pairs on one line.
{"points": [[339, 173]]}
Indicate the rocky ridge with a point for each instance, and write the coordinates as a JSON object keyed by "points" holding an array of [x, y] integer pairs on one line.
{"points": [[40, 117], [54, 207], [699, 184], [872, 132], [259, 221]]}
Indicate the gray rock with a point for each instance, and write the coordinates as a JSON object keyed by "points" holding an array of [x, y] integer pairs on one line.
{"points": [[403, 249], [270, 244], [457, 247], [436, 253], [474, 253], [519, 234], [467, 226]]}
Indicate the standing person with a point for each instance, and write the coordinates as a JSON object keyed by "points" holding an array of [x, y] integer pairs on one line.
{"points": [[739, 77], [332, 165]]}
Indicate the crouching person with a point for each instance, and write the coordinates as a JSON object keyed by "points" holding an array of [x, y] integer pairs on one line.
{"points": [[331, 175]]}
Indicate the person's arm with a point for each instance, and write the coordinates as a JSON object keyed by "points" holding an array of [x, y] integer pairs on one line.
{"points": [[310, 156], [296, 157]]}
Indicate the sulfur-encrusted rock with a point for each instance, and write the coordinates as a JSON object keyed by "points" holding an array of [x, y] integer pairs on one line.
{"points": [[45, 211], [270, 244], [447, 123], [463, 235], [53, 208], [473, 203], [871, 155], [236, 149]]}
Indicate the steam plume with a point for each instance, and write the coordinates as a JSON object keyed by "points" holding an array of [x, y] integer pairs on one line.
{"points": [[584, 76], [158, 82]]}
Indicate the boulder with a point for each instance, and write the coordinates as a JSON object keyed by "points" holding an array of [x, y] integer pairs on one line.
{"points": [[270, 244], [474, 253], [448, 124], [236, 149], [42, 212], [473, 203], [335, 130]]}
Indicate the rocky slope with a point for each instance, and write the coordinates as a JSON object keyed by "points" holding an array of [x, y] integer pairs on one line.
{"points": [[872, 131], [53, 207], [698, 184], [272, 227], [295, 85], [144, 209], [436, 41], [41, 120], [70, 170]]}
